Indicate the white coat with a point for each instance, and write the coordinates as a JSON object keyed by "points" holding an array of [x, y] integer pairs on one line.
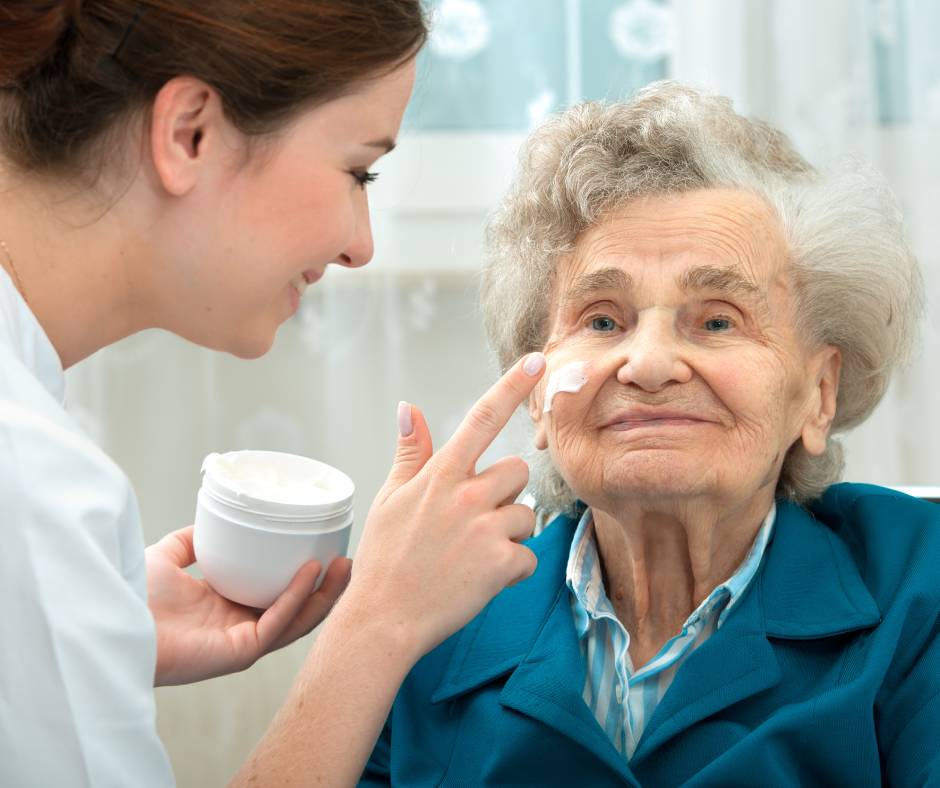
{"points": [[77, 643]]}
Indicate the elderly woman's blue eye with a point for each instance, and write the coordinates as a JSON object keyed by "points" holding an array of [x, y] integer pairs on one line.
{"points": [[603, 324], [717, 324]]}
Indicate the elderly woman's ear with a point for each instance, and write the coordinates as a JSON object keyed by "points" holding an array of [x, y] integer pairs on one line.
{"points": [[538, 418], [824, 369]]}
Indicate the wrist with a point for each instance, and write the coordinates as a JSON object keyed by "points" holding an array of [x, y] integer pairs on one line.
{"points": [[360, 622]]}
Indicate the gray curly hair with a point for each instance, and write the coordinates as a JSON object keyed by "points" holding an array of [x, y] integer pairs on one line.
{"points": [[856, 282]]}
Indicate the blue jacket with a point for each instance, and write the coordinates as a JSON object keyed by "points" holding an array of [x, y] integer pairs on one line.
{"points": [[827, 672]]}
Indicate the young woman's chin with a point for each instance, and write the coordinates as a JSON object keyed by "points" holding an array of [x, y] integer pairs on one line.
{"points": [[251, 345], [249, 352], [247, 341]]}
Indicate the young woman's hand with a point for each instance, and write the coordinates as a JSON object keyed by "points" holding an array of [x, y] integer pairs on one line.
{"points": [[441, 540], [201, 634]]}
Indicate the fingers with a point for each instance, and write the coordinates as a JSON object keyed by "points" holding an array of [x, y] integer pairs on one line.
{"points": [[503, 480], [517, 521], [525, 562], [414, 448], [316, 606], [276, 619], [490, 414], [335, 580], [178, 547]]}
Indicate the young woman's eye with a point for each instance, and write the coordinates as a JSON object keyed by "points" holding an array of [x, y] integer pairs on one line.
{"points": [[604, 323], [718, 324], [364, 177]]}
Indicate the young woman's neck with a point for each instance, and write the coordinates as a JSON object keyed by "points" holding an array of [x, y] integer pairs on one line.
{"points": [[76, 260]]}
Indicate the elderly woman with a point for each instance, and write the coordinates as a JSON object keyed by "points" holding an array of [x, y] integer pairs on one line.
{"points": [[710, 608]]}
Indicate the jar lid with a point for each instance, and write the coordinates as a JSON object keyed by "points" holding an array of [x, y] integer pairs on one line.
{"points": [[276, 484]]}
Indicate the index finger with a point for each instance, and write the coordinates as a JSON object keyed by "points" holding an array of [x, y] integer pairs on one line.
{"points": [[178, 547], [491, 412]]}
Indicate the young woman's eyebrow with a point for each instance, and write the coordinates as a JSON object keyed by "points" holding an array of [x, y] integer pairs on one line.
{"points": [[386, 144]]}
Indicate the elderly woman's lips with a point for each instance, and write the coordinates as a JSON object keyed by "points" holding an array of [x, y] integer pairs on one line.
{"points": [[629, 424], [640, 416]]}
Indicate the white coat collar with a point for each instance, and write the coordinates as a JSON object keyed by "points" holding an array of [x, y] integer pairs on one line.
{"points": [[20, 330]]}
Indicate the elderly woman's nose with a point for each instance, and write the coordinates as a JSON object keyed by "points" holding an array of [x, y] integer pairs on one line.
{"points": [[651, 355]]}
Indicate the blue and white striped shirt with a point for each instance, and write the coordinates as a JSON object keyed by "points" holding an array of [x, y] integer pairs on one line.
{"points": [[623, 699]]}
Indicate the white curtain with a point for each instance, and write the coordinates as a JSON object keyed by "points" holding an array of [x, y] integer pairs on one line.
{"points": [[840, 76]]}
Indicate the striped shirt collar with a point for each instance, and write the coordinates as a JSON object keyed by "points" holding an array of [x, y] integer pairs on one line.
{"points": [[585, 579]]}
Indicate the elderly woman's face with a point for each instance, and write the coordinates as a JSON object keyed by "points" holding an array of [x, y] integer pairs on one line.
{"points": [[681, 309]]}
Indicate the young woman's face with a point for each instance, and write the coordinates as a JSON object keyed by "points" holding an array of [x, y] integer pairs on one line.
{"points": [[274, 218]]}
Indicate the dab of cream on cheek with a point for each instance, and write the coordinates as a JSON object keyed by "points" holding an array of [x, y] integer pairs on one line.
{"points": [[569, 379]]}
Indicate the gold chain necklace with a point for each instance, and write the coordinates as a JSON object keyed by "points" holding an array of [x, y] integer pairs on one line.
{"points": [[16, 276]]}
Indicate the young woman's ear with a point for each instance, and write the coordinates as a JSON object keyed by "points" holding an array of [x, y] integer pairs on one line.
{"points": [[186, 127]]}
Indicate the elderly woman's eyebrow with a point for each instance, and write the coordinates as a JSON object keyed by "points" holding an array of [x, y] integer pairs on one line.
{"points": [[604, 279], [730, 280]]}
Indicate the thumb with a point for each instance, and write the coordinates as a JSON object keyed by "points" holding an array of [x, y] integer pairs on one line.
{"points": [[414, 447]]}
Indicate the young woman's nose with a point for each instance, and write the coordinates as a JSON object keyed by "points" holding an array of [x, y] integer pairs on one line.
{"points": [[652, 356], [361, 247]]}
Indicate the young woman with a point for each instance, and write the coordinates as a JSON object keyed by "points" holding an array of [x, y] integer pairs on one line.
{"points": [[194, 166]]}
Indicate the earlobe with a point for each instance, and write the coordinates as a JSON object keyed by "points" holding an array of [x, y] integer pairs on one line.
{"points": [[825, 396], [185, 118], [541, 437], [538, 420]]}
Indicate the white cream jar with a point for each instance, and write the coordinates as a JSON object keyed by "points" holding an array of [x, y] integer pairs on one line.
{"points": [[260, 515]]}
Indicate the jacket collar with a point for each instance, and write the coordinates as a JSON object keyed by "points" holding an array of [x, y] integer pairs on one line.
{"points": [[528, 630], [811, 585], [807, 587], [497, 640]]}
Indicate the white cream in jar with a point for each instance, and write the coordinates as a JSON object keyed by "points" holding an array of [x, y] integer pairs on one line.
{"points": [[261, 515]]}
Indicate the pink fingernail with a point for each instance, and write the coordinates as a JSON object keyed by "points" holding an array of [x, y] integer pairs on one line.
{"points": [[405, 424], [534, 364]]}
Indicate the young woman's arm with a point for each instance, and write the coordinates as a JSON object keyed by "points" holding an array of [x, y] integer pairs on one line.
{"points": [[441, 540]]}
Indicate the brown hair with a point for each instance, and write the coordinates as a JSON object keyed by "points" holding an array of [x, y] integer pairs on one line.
{"points": [[71, 71]]}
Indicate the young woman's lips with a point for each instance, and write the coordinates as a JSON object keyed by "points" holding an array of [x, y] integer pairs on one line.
{"points": [[300, 283], [295, 295]]}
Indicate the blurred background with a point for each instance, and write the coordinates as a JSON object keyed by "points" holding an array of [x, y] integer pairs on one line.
{"points": [[841, 77]]}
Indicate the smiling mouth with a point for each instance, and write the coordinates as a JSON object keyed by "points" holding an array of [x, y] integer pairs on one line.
{"points": [[666, 421], [299, 284], [302, 281]]}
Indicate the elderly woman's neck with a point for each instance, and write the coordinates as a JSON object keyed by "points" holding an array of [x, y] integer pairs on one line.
{"points": [[659, 566]]}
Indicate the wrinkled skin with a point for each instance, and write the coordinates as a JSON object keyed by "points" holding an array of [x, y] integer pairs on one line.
{"points": [[698, 382]]}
